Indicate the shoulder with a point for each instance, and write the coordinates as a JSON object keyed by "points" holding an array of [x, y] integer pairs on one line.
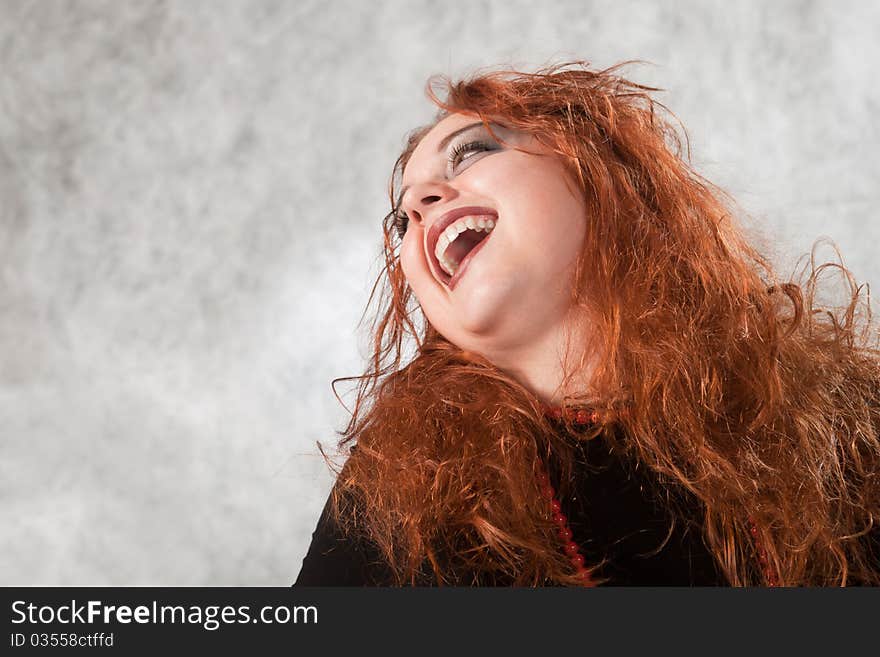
{"points": [[341, 558]]}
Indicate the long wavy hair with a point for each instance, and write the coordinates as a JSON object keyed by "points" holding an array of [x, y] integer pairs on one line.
{"points": [[730, 386]]}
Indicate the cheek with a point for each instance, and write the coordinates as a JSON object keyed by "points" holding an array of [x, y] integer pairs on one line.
{"points": [[412, 261], [421, 281], [538, 187], [551, 219]]}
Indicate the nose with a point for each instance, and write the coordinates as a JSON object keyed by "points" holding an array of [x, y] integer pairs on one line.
{"points": [[421, 198]]}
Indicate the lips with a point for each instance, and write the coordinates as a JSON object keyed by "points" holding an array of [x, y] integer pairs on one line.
{"points": [[441, 224]]}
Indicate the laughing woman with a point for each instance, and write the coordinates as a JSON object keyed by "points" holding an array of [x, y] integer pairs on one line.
{"points": [[610, 385]]}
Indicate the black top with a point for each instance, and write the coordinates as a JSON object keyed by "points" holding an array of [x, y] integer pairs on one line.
{"points": [[615, 514]]}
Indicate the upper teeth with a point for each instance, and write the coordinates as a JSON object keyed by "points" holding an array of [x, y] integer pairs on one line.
{"points": [[452, 231]]}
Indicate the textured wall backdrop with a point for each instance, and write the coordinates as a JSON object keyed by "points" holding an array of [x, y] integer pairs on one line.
{"points": [[190, 196]]}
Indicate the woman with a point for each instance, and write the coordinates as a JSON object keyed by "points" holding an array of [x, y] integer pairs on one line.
{"points": [[609, 384]]}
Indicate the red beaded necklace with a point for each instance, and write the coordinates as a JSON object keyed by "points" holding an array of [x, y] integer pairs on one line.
{"points": [[583, 417]]}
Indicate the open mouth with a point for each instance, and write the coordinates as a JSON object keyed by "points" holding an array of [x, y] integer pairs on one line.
{"points": [[458, 243]]}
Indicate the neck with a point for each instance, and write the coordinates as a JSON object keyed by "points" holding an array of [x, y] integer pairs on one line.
{"points": [[540, 365]]}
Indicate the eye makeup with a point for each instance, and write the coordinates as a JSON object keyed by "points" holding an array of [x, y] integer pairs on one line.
{"points": [[459, 153], [455, 155]]}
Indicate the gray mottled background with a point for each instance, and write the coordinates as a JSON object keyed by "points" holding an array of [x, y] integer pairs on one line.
{"points": [[190, 196]]}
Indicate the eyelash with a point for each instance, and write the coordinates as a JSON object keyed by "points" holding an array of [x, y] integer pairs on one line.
{"points": [[401, 221], [464, 148]]}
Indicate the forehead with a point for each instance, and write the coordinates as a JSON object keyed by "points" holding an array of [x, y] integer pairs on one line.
{"points": [[448, 125]]}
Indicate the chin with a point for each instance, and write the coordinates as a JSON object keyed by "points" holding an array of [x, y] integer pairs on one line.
{"points": [[474, 316]]}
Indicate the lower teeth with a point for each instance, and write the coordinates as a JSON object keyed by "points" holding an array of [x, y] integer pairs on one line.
{"points": [[450, 268]]}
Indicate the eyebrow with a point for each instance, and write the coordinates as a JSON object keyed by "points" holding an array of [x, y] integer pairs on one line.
{"points": [[443, 143]]}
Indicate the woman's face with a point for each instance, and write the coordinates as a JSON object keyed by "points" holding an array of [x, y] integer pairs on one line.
{"points": [[490, 290]]}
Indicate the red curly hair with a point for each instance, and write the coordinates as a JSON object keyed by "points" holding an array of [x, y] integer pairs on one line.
{"points": [[729, 385]]}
